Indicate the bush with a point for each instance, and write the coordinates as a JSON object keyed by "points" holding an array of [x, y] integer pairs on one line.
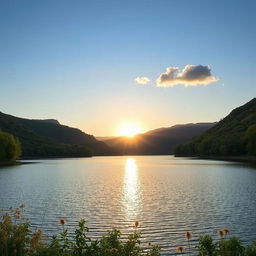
{"points": [[206, 246], [250, 250], [10, 148], [17, 239]]}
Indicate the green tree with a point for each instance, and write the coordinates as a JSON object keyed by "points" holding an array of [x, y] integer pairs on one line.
{"points": [[10, 148]]}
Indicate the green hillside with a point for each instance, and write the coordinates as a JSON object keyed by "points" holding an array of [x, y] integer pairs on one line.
{"points": [[235, 135], [48, 138]]}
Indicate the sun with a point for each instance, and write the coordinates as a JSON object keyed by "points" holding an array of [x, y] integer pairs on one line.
{"points": [[129, 130]]}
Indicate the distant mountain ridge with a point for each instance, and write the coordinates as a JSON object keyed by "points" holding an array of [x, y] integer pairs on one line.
{"points": [[48, 138], [52, 121], [159, 141], [235, 135], [181, 130]]}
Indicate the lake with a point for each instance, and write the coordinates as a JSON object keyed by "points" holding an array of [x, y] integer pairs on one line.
{"points": [[167, 195]]}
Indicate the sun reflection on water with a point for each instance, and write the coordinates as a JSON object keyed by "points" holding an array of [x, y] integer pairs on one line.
{"points": [[131, 187]]}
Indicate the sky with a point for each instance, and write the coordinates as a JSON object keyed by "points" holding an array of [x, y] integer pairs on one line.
{"points": [[96, 65]]}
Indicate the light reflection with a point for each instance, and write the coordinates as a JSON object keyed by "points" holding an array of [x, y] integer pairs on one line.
{"points": [[131, 197]]}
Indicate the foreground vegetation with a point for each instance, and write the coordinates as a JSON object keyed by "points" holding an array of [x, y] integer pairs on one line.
{"points": [[17, 239]]}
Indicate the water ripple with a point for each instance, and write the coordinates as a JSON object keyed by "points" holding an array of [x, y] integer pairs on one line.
{"points": [[168, 196]]}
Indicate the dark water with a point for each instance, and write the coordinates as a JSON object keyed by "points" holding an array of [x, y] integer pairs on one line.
{"points": [[167, 195]]}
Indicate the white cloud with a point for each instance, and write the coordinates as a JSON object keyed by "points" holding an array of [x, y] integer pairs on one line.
{"points": [[191, 75], [142, 80]]}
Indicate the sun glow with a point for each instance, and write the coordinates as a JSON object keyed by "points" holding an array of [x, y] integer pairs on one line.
{"points": [[129, 130]]}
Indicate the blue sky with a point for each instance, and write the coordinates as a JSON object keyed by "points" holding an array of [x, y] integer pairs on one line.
{"points": [[76, 61]]}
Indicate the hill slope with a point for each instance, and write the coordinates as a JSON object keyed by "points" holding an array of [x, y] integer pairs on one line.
{"points": [[157, 142], [232, 136], [48, 138]]}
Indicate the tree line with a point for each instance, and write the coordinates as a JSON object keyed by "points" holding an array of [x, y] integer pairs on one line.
{"points": [[226, 144]]}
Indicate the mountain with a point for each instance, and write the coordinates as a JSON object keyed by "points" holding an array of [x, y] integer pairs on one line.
{"points": [[157, 142], [48, 138], [103, 138], [235, 135]]}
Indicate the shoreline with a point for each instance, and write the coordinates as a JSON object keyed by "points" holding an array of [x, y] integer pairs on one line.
{"points": [[15, 163], [10, 163], [241, 159]]}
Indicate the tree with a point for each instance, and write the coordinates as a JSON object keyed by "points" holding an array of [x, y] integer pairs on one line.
{"points": [[10, 148]]}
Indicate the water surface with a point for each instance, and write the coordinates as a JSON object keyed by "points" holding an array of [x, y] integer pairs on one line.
{"points": [[167, 195]]}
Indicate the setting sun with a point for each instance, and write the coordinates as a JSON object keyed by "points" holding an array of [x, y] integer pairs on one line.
{"points": [[129, 130]]}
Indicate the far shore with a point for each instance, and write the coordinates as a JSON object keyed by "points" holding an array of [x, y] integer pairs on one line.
{"points": [[243, 159], [13, 163], [10, 163]]}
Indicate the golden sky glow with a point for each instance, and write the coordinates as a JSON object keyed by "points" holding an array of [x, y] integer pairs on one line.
{"points": [[129, 129], [117, 66]]}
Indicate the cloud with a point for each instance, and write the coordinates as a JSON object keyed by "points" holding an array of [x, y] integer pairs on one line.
{"points": [[191, 75], [142, 80]]}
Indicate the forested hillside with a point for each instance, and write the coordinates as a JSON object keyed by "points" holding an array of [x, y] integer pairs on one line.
{"points": [[232, 136], [48, 138]]}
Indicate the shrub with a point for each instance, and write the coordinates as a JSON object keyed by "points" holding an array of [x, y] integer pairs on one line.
{"points": [[17, 239], [230, 247], [250, 250], [206, 246], [10, 148]]}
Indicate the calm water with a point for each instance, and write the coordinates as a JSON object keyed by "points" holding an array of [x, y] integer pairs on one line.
{"points": [[167, 195]]}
